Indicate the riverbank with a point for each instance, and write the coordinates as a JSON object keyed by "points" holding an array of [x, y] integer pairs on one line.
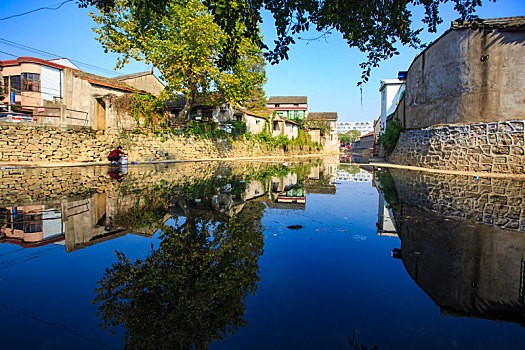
{"points": [[40, 146], [384, 164], [4, 166]]}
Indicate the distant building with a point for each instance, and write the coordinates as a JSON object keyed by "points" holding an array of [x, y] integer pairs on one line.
{"points": [[391, 92], [332, 141], [289, 107], [362, 126]]}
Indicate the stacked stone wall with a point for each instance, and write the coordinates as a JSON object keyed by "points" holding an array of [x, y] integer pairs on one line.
{"points": [[19, 144], [38, 185], [485, 147], [493, 201]]}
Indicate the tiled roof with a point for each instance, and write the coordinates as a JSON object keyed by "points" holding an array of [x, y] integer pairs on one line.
{"points": [[40, 61], [287, 99], [323, 115], [251, 113], [508, 23], [102, 81], [134, 75]]}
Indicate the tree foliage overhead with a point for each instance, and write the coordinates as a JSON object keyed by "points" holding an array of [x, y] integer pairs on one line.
{"points": [[373, 26], [185, 45]]}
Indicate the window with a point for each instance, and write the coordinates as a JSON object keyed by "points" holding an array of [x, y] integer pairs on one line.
{"points": [[31, 82], [16, 84], [277, 105], [296, 105]]}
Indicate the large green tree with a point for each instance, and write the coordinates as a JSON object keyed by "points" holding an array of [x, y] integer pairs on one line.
{"points": [[349, 136], [185, 44], [373, 26]]}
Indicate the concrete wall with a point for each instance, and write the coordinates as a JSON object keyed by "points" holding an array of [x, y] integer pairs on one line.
{"points": [[467, 76], [147, 83]]}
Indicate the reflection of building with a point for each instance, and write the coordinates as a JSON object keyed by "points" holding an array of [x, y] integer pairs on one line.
{"points": [[287, 193], [76, 222], [360, 176], [321, 179], [472, 270], [31, 226], [385, 223], [468, 269]]}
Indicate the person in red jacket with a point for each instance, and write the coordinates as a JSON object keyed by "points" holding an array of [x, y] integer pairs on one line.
{"points": [[114, 156]]}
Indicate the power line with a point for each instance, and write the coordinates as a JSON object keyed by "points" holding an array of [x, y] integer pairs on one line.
{"points": [[35, 10], [49, 54], [7, 53]]}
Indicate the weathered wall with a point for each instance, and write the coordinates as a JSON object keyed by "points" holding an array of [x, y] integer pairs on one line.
{"points": [[486, 147], [41, 145], [147, 83], [467, 76]]}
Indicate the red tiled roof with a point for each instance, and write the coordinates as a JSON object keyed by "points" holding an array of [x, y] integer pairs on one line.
{"points": [[251, 113]]}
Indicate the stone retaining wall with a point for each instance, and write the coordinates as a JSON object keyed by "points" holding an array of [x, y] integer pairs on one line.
{"points": [[493, 201], [486, 147], [40, 145], [43, 185]]}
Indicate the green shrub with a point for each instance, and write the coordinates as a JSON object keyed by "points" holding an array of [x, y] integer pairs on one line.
{"points": [[390, 135]]}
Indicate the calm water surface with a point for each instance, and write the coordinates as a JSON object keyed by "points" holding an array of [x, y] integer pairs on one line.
{"points": [[306, 255]]}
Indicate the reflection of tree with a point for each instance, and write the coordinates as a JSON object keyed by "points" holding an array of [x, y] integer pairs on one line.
{"points": [[191, 291]]}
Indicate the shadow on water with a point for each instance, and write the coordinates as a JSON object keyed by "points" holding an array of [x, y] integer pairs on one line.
{"points": [[461, 238]]}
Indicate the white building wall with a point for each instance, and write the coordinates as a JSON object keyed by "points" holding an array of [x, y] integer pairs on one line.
{"points": [[51, 83], [363, 126], [391, 91]]}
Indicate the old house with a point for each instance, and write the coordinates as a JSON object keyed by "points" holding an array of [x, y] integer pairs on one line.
{"points": [[57, 93], [468, 75], [281, 126], [330, 141], [144, 81], [289, 107], [205, 108], [255, 122]]}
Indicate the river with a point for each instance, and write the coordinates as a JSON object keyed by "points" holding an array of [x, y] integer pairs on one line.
{"points": [[306, 254]]}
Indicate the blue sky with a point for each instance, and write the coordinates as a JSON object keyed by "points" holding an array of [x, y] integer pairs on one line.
{"points": [[326, 70]]}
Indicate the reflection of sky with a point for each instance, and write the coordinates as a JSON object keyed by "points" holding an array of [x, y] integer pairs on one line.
{"points": [[318, 282]]}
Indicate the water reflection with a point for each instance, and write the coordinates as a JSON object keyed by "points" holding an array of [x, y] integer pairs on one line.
{"points": [[80, 207], [191, 288], [461, 240]]}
